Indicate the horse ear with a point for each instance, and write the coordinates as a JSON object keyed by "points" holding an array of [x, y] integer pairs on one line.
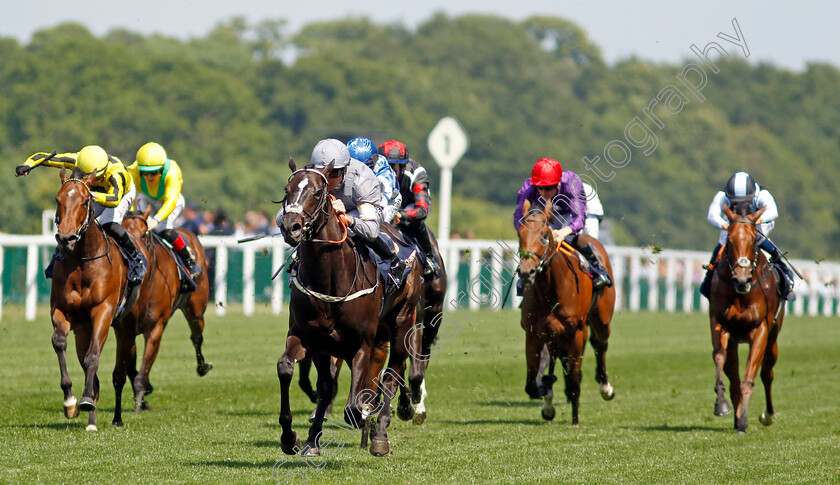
{"points": [[147, 211], [329, 167], [526, 207], [292, 164], [755, 216], [63, 174], [90, 179], [729, 213]]}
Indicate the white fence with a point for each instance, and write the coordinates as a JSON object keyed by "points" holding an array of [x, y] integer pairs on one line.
{"points": [[480, 272]]}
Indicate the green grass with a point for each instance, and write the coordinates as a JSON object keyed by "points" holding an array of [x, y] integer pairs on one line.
{"points": [[482, 428]]}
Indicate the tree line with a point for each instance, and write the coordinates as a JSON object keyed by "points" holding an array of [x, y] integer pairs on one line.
{"points": [[232, 107]]}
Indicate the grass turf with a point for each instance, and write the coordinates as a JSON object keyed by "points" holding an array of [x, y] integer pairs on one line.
{"points": [[481, 428]]}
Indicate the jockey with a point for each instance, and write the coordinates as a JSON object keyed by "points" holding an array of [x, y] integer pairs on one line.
{"points": [[158, 182], [363, 150], [742, 189], [594, 211], [416, 201], [549, 182], [112, 196], [356, 197]]}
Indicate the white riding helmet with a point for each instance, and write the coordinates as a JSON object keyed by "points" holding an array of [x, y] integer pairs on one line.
{"points": [[327, 150]]}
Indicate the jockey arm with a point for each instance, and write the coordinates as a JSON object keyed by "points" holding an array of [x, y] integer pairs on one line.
{"points": [[111, 193], [715, 215], [422, 200], [766, 200], [366, 224], [59, 160], [171, 192]]}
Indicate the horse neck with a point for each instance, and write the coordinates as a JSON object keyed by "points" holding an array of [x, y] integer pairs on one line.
{"points": [[327, 258], [93, 242]]}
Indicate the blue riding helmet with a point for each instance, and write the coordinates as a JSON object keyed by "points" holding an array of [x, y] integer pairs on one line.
{"points": [[362, 149]]}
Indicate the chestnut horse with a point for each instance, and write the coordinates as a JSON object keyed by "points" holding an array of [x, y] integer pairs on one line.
{"points": [[87, 286], [335, 308], [559, 307], [744, 307], [161, 294]]}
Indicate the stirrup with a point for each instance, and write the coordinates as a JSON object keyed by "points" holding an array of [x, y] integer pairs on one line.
{"points": [[193, 269], [431, 267]]}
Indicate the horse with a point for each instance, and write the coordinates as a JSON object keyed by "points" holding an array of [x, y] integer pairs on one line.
{"points": [[559, 308], [744, 307], [419, 341], [161, 294], [87, 285], [337, 309]]}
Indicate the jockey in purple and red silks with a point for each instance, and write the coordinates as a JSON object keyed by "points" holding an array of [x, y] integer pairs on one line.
{"points": [[549, 182]]}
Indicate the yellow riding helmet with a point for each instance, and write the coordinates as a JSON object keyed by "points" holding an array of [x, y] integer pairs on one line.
{"points": [[150, 157], [92, 158]]}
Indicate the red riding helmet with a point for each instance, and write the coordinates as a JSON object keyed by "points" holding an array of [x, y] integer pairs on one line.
{"points": [[395, 151], [546, 172]]}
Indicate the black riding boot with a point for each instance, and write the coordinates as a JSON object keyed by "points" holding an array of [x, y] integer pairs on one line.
{"points": [[430, 265], [600, 276], [706, 285], [137, 265], [381, 248], [776, 259]]}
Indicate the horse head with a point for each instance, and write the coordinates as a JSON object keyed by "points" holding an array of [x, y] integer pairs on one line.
{"points": [[305, 206], [135, 222], [74, 211], [742, 248], [535, 243]]}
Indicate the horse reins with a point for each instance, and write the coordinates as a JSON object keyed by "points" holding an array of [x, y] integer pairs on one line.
{"points": [[88, 216], [744, 262]]}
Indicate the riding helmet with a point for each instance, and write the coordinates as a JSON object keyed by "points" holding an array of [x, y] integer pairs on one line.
{"points": [[150, 157], [329, 150], [92, 158], [740, 186], [395, 151], [362, 149], [546, 172]]}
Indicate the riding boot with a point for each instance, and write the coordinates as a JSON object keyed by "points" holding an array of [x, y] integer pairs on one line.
{"points": [[136, 264], [430, 266], [706, 285], [57, 256], [776, 259], [600, 276], [381, 248], [188, 257]]}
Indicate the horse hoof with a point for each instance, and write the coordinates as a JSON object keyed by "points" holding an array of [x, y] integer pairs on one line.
{"points": [[722, 408], [766, 419], [91, 427], [548, 413], [71, 410], [87, 404], [741, 431], [310, 451], [405, 413], [607, 392], [380, 447], [291, 449], [204, 369], [419, 418], [117, 424]]}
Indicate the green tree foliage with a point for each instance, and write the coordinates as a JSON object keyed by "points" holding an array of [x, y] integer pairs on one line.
{"points": [[233, 106]]}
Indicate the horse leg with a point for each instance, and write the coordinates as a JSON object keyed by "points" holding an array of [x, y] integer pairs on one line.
{"points": [[325, 386], [150, 351], [194, 312], [61, 327], [720, 341], [289, 441], [573, 378], [101, 323], [533, 347], [304, 382], [758, 344], [598, 338], [360, 402], [770, 356], [125, 341], [378, 355], [546, 370], [405, 322], [432, 319], [730, 368]]}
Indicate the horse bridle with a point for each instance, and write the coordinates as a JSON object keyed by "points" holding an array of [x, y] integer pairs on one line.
{"points": [[88, 217], [545, 258], [297, 208], [744, 262]]}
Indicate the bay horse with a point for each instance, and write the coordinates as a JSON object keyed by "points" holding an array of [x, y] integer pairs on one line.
{"points": [[161, 294], [744, 307], [559, 308], [87, 285], [335, 309], [419, 341]]}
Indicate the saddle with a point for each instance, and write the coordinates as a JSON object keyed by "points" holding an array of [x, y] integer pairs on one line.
{"points": [[188, 284], [404, 249]]}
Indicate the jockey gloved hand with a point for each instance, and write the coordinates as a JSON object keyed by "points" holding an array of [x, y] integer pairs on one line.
{"points": [[152, 223], [724, 226], [560, 234], [22, 169], [338, 205]]}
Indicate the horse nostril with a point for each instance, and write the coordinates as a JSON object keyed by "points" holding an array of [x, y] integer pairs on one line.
{"points": [[296, 227]]}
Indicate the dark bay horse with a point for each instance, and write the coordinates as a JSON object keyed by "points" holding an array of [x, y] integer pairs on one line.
{"points": [[336, 306], [744, 307], [161, 294], [559, 308], [419, 341], [87, 285]]}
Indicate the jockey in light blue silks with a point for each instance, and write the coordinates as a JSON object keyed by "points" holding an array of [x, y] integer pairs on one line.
{"points": [[742, 189], [363, 150]]}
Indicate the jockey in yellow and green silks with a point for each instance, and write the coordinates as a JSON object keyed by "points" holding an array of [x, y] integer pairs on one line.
{"points": [[158, 182]]}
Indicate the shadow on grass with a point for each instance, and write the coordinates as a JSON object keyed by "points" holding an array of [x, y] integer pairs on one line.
{"points": [[285, 462], [532, 422], [511, 404], [680, 429]]}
